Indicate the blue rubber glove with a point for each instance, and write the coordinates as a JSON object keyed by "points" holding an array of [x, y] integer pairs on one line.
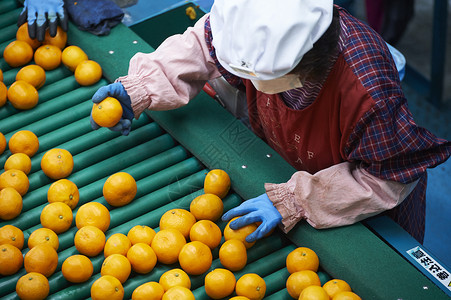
{"points": [[116, 90], [259, 209], [41, 14]]}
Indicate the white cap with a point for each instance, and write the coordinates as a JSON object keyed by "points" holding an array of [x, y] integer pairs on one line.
{"points": [[266, 39]]}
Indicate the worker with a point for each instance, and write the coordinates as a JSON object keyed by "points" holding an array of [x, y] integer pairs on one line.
{"points": [[322, 90]]}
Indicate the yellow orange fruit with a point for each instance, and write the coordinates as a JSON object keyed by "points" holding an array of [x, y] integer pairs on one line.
{"points": [[23, 95], [3, 143], [141, 234], [1, 75], [32, 286], [107, 113], [195, 258], [11, 260], [217, 182], [59, 40], [179, 219], [16, 179], [207, 232], [43, 236], [148, 291], [18, 53], [48, 57], [41, 258], [116, 265], [239, 298], [33, 74], [119, 189], [12, 235], [22, 35], [24, 141], [64, 191], [18, 161], [299, 280], [77, 268], [142, 258], [57, 216], [313, 292], [10, 203], [219, 283], [88, 72], [94, 214], [72, 56], [118, 243], [251, 285], [302, 258], [335, 286], [167, 244], [207, 207], [107, 287], [178, 292], [89, 240], [346, 295], [57, 163], [239, 234], [233, 255], [174, 277], [3, 98]]}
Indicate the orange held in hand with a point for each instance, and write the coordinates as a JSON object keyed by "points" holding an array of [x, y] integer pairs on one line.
{"points": [[23, 95], [57, 163], [107, 113], [59, 40], [240, 233], [22, 35], [120, 188]]}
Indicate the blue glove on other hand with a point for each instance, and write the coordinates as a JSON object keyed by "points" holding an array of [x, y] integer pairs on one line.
{"points": [[259, 209], [42, 14], [116, 90]]}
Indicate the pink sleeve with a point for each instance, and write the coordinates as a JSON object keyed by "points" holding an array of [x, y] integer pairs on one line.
{"points": [[340, 195], [171, 75]]}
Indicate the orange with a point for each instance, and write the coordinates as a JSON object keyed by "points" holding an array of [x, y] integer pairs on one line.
{"points": [[16, 179], [57, 216], [41, 258], [240, 234], [22, 35], [346, 295], [195, 258], [95, 214], [24, 141], [72, 56], [3, 143], [88, 72], [3, 98], [239, 298], [77, 268], [178, 292], [107, 288], [12, 235], [179, 219], [64, 191], [142, 258], [313, 292], [174, 277], [207, 207], [89, 240], [32, 286], [119, 189], [43, 236], [57, 163], [18, 161], [33, 74], [118, 243], [141, 234], [233, 255], [251, 285], [148, 291], [10, 203], [107, 113], [207, 232], [1, 75], [23, 95], [48, 57], [167, 244], [59, 40], [18, 53], [116, 265], [334, 286], [11, 260], [299, 280], [219, 283], [217, 182], [302, 258]]}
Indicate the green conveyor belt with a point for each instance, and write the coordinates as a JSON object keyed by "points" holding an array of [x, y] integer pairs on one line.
{"points": [[169, 153]]}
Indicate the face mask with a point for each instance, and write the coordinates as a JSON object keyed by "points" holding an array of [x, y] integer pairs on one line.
{"points": [[278, 85]]}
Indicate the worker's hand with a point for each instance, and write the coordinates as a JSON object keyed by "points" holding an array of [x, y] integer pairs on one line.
{"points": [[116, 90], [259, 209], [41, 14]]}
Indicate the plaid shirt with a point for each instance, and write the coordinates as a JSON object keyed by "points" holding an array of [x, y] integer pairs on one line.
{"points": [[386, 139]]}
